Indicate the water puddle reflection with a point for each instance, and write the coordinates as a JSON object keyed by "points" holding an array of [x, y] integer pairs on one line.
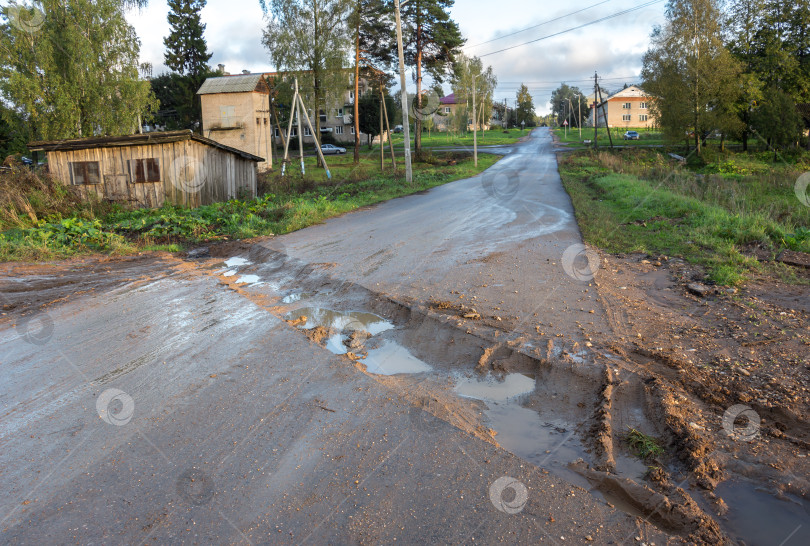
{"points": [[340, 320], [391, 358], [490, 388], [236, 262]]}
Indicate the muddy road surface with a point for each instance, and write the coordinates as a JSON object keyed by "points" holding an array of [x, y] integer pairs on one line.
{"points": [[440, 368]]}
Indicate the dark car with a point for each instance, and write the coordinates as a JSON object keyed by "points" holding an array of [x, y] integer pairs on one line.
{"points": [[329, 149], [631, 135]]}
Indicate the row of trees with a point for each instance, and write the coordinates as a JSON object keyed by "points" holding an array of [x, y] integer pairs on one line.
{"points": [[739, 71], [314, 38]]}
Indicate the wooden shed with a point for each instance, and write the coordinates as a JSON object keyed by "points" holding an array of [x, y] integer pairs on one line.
{"points": [[147, 170]]}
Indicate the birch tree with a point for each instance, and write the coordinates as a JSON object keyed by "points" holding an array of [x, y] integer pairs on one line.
{"points": [[71, 66], [310, 40]]}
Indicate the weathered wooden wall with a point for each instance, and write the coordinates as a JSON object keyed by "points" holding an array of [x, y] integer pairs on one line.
{"points": [[191, 174]]}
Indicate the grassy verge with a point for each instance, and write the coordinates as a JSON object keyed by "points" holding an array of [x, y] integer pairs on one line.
{"points": [[61, 227], [647, 136], [713, 213], [495, 136]]}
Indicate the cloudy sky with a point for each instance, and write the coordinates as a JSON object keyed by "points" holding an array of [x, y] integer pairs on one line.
{"points": [[613, 47]]}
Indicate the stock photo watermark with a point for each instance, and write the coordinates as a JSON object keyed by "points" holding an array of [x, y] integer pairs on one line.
{"points": [[115, 407], [26, 18], [580, 263], [36, 328], [195, 487], [802, 189], [737, 430], [517, 498], [427, 107], [190, 174]]}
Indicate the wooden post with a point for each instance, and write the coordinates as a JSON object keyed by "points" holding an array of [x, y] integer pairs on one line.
{"points": [[317, 143], [382, 146], [475, 128], [387, 127], [604, 115], [300, 133], [595, 110], [289, 130]]}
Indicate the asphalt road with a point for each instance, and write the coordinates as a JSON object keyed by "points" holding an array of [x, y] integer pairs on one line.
{"points": [[157, 400]]}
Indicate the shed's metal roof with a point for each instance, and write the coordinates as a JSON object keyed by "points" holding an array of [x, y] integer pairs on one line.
{"points": [[140, 139], [242, 83]]}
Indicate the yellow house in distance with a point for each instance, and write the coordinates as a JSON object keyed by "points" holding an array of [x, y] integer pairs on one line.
{"points": [[629, 108]]}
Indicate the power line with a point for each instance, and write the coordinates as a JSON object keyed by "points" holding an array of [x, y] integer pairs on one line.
{"points": [[617, 14], [539, 24]]}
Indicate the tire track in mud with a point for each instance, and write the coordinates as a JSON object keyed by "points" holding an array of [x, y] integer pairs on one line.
{"points": [[581, 388]]}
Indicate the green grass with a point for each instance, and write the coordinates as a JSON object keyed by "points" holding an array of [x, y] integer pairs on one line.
{"points": [[647, 136], [638, 200], [644, 446], [496, 136], [286, 204]]}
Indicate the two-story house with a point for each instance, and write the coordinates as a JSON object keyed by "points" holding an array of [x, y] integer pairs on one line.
{"points": [[627, 108], [445, 115]]}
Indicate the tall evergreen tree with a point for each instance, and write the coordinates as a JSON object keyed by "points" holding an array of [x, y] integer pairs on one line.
{"points": [[431, 40], [74, 71], [186, 49], [187, 56], [371, 21]]}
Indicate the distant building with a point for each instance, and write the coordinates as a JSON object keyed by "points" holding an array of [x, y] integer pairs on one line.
{"points": [[148, 170], [235, 112], [627, 108], [446, 113]]}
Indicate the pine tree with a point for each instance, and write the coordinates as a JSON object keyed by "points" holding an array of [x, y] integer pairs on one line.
{"points": [[431, 40], [374, 45], [186, 49]]}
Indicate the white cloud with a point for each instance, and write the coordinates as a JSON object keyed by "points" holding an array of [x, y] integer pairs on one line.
{"points": [[613, 48]]}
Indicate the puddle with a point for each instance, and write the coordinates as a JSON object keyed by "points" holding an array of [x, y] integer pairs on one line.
{"points": [[522, 431], [236, 262], [391, 358], [758, 517], [248, 279], [291, 298], [229, 273], [492, 389], [525, 433], [340, 320]]}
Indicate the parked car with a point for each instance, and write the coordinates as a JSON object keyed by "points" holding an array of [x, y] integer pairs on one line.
{"points": [[328, 149], [631, 135], [398, 128]]}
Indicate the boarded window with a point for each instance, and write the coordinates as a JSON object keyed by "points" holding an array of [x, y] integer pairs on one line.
{"points": [[144, 170], [227, 116], [85, 172]]}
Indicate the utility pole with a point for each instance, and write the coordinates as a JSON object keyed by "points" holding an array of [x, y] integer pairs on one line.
{"points": [[595, 108], [579, 120], [604, 116], [405, 124], [475, 129]]}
